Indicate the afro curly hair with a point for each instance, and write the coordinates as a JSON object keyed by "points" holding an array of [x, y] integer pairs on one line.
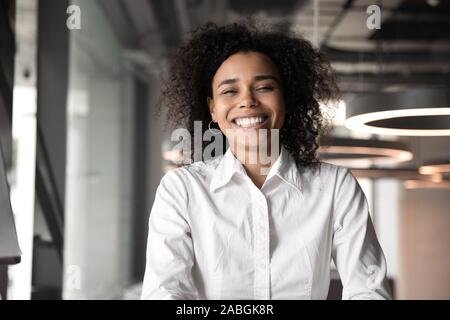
{"points": [[306, 76]]}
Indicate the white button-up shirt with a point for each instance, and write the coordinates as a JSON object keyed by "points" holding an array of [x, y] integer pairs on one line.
{"points": [[214, 235]]}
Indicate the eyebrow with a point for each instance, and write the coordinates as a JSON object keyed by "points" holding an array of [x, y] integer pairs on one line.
{"points": [[257, 78]]}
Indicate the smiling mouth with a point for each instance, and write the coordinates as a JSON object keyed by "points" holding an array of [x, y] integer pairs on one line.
{"points": [[250, 122]]}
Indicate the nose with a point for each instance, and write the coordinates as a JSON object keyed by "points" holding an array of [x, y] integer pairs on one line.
{"points": [[248, 100]]}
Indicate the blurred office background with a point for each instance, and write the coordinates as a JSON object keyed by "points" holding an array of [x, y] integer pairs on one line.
{"points": [[84, 149]]}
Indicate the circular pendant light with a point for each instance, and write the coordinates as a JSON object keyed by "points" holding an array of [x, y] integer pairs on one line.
{"points": [[391, 173], [417, 112], [425, 184], [437, 166], [357, 153]]}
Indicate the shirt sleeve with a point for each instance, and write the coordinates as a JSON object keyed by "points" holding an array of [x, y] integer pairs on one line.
{"points": [[170, 257], [356, 252]]}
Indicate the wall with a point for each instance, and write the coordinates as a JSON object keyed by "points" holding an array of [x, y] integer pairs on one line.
{"points": [[99, 164], [424, 233]]}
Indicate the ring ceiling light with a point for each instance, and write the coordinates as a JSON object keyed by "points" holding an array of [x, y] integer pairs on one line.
{"points": [[425, 184], [418, 112], [398, 174], [358, 153], [441, 166]]}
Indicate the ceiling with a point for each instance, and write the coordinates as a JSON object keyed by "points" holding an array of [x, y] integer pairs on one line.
{"points": [[411, 49]]}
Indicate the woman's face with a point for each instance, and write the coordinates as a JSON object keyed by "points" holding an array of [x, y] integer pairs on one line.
{"points": [[247, 96]]}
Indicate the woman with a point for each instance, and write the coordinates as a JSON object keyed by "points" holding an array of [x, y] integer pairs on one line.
{"points": [[231, 228]]}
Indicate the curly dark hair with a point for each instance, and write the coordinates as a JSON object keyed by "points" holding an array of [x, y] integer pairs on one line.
{"points": [[306, 76]]}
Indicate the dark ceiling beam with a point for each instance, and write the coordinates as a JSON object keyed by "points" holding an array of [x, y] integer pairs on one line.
{"points": [[135, 23], [389, 77], [164, 19], [419, 17], [337, 20], [339, 55], [121, 21], [361, 83], [182, 15], [144, 18]]}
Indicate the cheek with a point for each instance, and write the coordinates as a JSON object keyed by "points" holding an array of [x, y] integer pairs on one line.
{"points": [[221, 114], [280, 111], [222, 109]]}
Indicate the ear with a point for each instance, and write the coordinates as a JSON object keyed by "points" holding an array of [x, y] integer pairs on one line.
{"points": [[210, 102]]}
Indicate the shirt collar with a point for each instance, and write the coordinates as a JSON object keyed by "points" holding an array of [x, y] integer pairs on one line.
{"points": [[284, 167], [225, 170]]}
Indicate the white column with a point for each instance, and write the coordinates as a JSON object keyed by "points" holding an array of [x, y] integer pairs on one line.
{"points": [[24, 146]]}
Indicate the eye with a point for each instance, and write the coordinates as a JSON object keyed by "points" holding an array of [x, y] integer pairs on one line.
{"points": [[229, 92], [265, 88]]}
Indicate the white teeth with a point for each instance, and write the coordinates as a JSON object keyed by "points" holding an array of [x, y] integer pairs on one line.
{"points": [[249, 122]]}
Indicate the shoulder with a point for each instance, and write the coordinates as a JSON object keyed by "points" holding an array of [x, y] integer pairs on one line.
{"points": [[326, 177], [341, 177], [344, 185], [327, 173], [202, 168], [199, 171], [331, 170]]}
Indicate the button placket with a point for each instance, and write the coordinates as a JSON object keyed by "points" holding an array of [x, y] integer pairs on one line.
{"points": [[261, 255]]}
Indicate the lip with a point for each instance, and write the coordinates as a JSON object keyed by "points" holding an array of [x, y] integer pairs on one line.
{"points": [[250, 115], [256, 126]]}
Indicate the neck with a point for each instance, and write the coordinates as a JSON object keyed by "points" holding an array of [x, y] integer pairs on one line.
{"points": [[256, 167]]}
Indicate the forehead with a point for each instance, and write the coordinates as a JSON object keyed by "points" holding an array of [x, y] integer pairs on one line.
{"points": [[243, 65]]}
